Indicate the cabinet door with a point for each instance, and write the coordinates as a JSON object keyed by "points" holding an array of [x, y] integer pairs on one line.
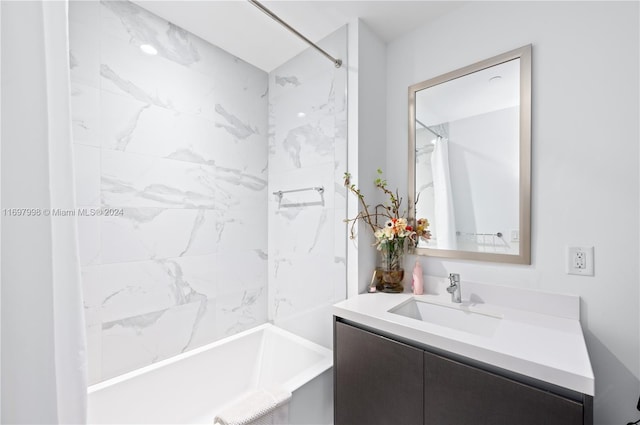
{"points": [[377, 380], [459, 394]]}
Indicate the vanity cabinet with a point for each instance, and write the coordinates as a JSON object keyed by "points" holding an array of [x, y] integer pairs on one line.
{"points": [[379, 380], [455, 393]]}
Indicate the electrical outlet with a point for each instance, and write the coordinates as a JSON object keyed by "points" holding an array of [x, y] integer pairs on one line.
{"points": [[580, 260], [515, 235]]}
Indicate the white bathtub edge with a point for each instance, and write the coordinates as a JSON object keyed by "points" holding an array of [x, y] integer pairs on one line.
{"points": [[290, 385]]}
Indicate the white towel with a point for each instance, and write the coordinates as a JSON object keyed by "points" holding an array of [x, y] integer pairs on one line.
{"points": [[259, 407]]}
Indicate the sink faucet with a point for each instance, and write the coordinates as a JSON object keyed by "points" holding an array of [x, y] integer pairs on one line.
{"points": [[454, 288]]}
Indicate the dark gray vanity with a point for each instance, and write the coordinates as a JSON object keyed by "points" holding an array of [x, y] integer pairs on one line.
{"points": [[380, 380], [519, 357]]}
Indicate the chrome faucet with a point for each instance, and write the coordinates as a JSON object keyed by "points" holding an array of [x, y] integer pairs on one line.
{"points": [[454, 288]]}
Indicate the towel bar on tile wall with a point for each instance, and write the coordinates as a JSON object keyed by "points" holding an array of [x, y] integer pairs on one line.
{"points": [[318, 189], [499, 234], [279, 193]]}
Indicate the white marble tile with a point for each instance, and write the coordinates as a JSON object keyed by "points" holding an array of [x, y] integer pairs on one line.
{"points": [[302, 283], [248, 156], [89, 240], [91, 294], [299, 232], [142, 181], [85, 12], [135, 342], [307, 144], [125, 69], [305, 70], [240, 269], [341, 232], [85, 114], [243, 229], [133, 126], [240, 310], [228, 69], [198, 273], [309, 64], [153, 233], [87, 175], [302, 141], [241, 91], [313, 94], [120, 118], [84, 54], [94, 353], [240, 190], [136, 26], [241, 300], [179, 141], [340, 193], [205, 330], [138, 288]]}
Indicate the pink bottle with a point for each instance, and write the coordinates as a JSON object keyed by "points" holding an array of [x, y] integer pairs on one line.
{"points": [[418, 279]]}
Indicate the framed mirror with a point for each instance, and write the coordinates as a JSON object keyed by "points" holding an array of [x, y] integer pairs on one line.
{"points": [[470, 160]]}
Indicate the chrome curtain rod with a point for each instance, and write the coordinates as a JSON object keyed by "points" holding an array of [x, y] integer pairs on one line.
{"points": [[418, 121], [336, 62]]}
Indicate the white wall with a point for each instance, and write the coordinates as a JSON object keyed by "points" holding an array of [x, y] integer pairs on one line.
{"points": [[28, 357], [0, 225], [585, 160], [367, 130]]}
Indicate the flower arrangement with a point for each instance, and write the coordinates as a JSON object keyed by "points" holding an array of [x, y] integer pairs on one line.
{"points": [[391, 237]]}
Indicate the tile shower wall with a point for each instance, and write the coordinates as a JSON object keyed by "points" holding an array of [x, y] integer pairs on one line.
{"points": [[308, 148], [178, 141]]}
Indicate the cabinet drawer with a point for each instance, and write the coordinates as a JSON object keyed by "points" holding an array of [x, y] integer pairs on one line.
{"points": [[377, 380], [459, 394]]}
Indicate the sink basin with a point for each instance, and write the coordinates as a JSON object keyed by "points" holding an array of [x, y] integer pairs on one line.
{"points": [[457, 317]]}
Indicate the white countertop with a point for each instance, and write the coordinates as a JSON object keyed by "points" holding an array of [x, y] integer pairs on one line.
{"points": [[541, 338]]}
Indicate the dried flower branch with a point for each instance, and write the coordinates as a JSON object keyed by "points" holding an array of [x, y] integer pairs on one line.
{"points": [[395, 227]]}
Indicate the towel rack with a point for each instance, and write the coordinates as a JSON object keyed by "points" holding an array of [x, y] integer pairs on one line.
{"points": [[318, 189], [499, 234]]}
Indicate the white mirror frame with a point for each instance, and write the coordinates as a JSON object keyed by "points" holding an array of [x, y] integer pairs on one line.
{"points": [[524, 253]]}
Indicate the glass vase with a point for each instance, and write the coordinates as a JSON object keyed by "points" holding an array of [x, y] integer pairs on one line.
{"points": [[392, 254]]}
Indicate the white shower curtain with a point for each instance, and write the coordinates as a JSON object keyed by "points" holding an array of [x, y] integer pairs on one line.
{"points": [[445, 223], [43, 343]]}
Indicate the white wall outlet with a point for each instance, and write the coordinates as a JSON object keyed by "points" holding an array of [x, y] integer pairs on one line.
{"points": [[580, 260], [515, 235]]}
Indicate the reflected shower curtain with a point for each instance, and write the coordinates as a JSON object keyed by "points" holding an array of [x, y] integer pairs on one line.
{"points": [[445, 223], [43, 373]]}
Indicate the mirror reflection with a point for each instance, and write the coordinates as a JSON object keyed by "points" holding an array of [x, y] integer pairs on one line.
{"points": [[468, 154]]}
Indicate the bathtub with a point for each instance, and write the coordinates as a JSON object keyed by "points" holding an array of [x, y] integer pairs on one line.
{"points": [[193, 387]]}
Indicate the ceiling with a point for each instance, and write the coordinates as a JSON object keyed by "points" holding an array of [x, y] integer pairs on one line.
{"points": [[243, 30], [490, 89]]}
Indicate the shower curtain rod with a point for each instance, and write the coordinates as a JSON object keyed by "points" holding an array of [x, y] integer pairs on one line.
{"points": [[336, 62], [418, 121]]}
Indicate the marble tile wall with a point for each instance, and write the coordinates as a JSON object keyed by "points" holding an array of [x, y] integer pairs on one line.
{"points": [[178, 141], [308, 148]]}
